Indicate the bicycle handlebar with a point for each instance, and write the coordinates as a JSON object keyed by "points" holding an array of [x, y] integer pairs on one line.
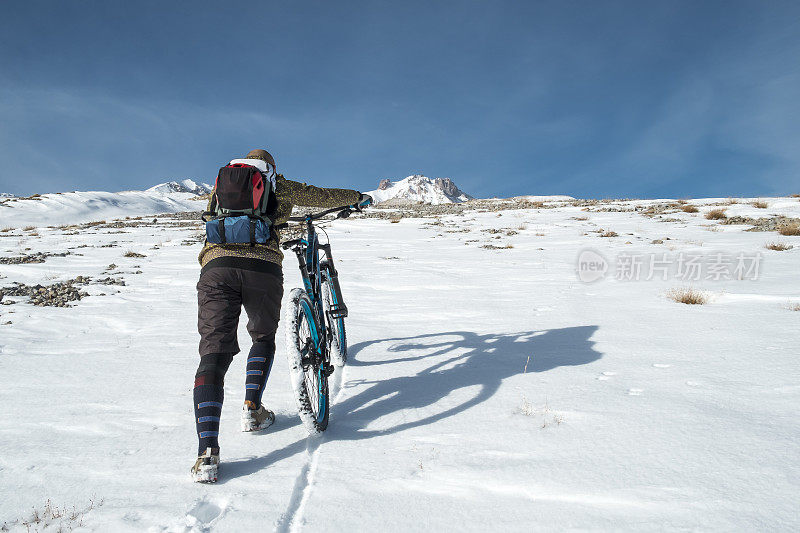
{"points": [[342, 209], [344, 212]]}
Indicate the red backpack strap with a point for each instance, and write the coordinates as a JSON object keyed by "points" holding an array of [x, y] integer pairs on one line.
{"points": [[258, 188]]}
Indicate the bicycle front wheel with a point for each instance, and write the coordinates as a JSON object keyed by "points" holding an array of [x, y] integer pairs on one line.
{"points": [[307, 365]]}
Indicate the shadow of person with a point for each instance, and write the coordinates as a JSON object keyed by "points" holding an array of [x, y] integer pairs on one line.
{"points": [[460, 360]]}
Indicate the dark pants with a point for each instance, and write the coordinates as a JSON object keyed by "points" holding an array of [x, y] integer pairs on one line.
{"points": [[221, 293]]}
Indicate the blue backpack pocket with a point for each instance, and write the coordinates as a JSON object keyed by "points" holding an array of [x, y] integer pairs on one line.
{"points": [[238, 230]]}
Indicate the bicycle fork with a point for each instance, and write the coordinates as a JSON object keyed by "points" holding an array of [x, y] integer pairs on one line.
{"points": [[338, 309]]}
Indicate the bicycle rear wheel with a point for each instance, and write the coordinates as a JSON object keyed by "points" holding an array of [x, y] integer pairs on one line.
{"points": [[337, 337], [307, 365]]}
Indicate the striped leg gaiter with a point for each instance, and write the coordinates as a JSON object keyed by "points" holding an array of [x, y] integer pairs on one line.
{"points": [[209, 392], [259, 363]]}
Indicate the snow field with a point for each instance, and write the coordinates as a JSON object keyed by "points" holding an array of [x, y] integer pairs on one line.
{"points": [[485, 389]]}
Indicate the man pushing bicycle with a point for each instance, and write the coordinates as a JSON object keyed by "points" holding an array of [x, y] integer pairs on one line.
{"points": [[241, 266]]}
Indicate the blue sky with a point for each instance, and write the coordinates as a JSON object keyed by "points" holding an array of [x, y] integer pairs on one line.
{"points": [[591, 99]]}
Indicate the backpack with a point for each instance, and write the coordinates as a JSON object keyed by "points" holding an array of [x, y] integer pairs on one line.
{"points": [[243, 207]]}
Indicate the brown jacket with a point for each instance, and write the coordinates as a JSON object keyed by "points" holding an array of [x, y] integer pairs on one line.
{"points": [[289, 193]]}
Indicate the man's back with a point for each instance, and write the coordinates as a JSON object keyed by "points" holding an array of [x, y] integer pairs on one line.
{"points": [[289, 194]]}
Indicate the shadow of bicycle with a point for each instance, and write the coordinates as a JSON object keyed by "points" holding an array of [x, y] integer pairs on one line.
{"points": [[460, 359], [463, 359]]}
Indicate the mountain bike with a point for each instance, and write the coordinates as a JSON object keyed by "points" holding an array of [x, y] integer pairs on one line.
{"points": [[316, 341]]}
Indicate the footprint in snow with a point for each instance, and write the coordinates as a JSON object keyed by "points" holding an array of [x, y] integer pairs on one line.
{"points": [[606, 376], [205, 513]]}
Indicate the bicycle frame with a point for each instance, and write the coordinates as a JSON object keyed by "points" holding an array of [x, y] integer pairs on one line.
{"points": [[307, 250], [319, 304]]}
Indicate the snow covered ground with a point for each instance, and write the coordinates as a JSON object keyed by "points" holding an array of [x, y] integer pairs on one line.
{"points": [[487, 389]]}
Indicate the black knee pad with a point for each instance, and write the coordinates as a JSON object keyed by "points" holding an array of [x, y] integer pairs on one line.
{"points": [[264, 346], [212, 369]]}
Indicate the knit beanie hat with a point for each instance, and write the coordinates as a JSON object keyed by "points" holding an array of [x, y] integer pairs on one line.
{"points": [[262, 155]]}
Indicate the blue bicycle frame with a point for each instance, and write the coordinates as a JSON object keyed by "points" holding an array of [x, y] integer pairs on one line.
{"points": [[325, 319], [307, 250]]}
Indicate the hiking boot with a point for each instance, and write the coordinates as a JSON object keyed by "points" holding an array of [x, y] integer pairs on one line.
{"points": [[206, 468], [256, 419]]}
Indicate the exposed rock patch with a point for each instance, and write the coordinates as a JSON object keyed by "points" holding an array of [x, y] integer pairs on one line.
{"points": [[763, 223], [38, 257], [55, 295]]}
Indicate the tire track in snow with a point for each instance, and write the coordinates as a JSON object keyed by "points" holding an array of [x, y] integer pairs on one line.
{"points": [[292, 519]]}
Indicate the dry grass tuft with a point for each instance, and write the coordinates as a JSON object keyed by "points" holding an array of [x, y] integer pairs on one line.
{"points": [[493, 247], [6, 229], [794, 306], [131, 253], [716, 214], [790, 230], [731, 201], [778, 246], [689, 208], [29, 228], [54, 518], [761, 204], [687, 295], [609, 233], [526, 408], [549, 417]]}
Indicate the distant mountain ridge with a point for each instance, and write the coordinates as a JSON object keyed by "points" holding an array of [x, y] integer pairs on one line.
{"points": [[419, 189], [187, 186], [86, 206], [183, 195]]}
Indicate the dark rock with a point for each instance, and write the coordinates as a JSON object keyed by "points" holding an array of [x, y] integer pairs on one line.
{"points": [[38, 257]]}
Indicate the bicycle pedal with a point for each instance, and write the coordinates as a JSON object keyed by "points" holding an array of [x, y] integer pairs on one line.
{"points": [[337, 311]]}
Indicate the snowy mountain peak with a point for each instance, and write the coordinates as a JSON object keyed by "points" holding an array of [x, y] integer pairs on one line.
{"points": [[419, 189], [187, 185]]}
